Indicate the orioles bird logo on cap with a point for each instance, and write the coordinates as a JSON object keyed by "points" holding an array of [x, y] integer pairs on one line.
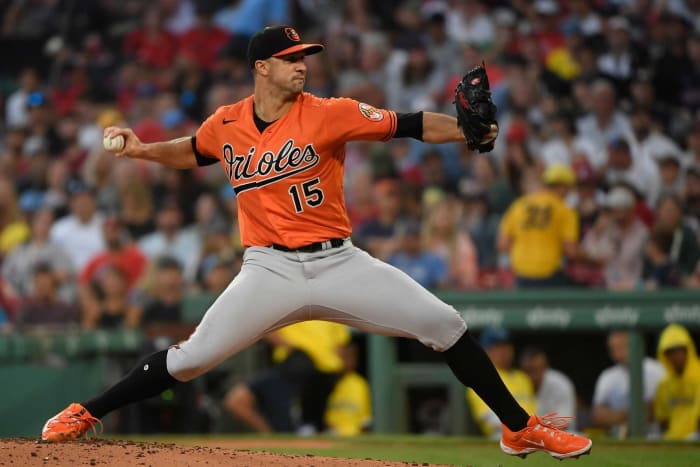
{"points": [[292, 34]]}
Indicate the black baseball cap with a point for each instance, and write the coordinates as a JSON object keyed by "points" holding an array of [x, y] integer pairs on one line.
{"points": [[277, 41]]}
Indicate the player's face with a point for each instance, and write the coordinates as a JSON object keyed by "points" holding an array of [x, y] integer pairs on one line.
{"points": [[289, 72]]}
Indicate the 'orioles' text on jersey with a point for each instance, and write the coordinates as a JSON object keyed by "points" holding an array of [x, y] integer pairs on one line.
{"points": [[289, 178]]}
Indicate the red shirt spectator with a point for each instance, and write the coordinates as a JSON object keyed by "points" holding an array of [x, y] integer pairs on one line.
{"points": [[151, 44], [203, 42], [125, 257]]}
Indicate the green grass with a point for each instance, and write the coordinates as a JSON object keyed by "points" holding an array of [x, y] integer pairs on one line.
{"points": [[472, 452]]}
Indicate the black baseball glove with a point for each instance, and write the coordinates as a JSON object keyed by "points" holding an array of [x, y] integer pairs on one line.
{"points": [[476, 112]]}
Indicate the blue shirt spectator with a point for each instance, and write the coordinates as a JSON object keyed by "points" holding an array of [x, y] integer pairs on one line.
{"points": [[247, 17]]}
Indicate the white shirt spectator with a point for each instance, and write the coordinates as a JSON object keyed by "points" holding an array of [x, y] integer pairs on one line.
{"points": [[81, 241], [618, 127], [556, 151], [643, 175], [184, 246], [16, 111], [656, 145], [612, 388], [557, 394]]}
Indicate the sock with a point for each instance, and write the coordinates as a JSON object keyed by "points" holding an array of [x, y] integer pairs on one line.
{"points": [[148, 378], [473, 368]]}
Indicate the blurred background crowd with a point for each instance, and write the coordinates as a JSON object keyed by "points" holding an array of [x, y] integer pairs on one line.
{"points": [[594, 180], [599, 143]]}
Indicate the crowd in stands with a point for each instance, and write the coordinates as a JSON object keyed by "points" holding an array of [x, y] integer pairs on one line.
{"points": [[594, 180], [597, 164]]}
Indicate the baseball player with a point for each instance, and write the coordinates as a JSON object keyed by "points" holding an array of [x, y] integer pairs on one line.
{"points": [[282, 150]]}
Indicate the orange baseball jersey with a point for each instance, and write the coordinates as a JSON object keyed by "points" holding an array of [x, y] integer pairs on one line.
{"points": [[289, 178]]}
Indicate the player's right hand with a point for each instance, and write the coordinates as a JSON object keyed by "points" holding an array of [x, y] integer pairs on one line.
{"points": [[132, 143]]}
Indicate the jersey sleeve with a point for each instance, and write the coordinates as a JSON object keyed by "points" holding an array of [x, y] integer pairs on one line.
{"points": [[205, 142], [350, 120]]}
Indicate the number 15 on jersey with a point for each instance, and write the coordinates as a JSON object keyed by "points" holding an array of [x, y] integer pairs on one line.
{"points": [[309, 194]]}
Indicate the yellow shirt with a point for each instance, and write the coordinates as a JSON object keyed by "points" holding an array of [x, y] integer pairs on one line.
{"points": [[12, 235], [349, 408], [677, 399], [518, 384], [320, 340], [537, 225]]}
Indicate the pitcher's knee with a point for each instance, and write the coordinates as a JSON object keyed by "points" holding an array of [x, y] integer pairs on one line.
{"points": [[185, 366], [442, 331]]}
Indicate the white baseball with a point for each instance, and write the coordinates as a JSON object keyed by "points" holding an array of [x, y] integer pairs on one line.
{"points": [[114, 144]]}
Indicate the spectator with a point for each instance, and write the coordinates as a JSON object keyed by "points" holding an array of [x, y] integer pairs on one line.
{"points": [[151, 44], [111, 307], [622, 57], [677, 402], [671, 174], [653, 143], [43, 134], [16, 109], [692, 193], [171, 240], [446, 238], [44, 306], [13, 229], [220, 271], [136, 213], [307, 365], [246, 17], [684, 248], [121, 252], [80, 232], [18, 266], [349, 409], [539, 231], [498, 346], [659, 269], [611, 395], [563, 146], [426, 268], [554, 390], [164, 305], [604, 122], [625, 167], [618, 239], [482, 225], [419, 82], [378, 235], [203, 42]]}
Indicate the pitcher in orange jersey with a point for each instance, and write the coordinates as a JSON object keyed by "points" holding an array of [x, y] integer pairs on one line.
{"points": [[283, 152]]}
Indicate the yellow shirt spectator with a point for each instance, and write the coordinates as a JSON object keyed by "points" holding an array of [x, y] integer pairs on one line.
{"points": [[13, 235], [320, 340], [677, 401], [349, 408], [518, 384], [536, 228]]}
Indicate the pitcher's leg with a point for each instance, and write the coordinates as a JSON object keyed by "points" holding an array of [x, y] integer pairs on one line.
{"points": [[256, 301], [377, 297], [366, 293]]}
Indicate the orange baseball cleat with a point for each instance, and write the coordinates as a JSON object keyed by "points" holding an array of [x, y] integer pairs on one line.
{"points": [[69, 424], [545, 434]]}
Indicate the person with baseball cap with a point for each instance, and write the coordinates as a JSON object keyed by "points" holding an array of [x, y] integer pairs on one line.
{"points": [[283, 151], [539, 231]]}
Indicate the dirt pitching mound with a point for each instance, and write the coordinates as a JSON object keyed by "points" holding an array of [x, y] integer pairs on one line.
{"points": [[98, 452]]}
